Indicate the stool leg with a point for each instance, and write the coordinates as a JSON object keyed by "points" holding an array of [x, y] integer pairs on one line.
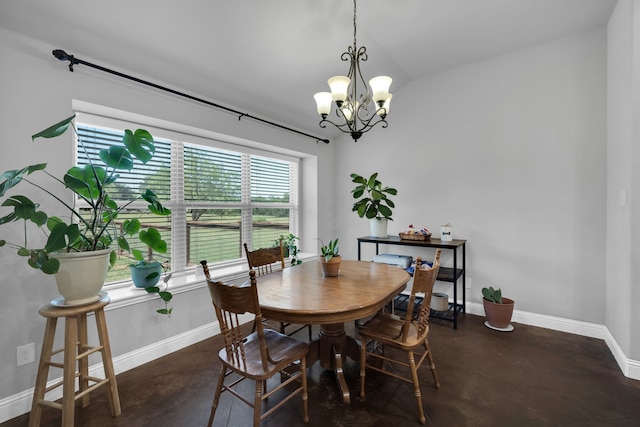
{"points": [[107, 362], [43, 372], [69, 371], [83, 362]]}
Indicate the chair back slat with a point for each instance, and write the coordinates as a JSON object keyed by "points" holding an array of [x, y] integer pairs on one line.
{"points": [[423, 281], [231, 301], [264, 259]]}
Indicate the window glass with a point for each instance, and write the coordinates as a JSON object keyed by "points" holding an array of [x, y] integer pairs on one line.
{"points": [[219, 199]]}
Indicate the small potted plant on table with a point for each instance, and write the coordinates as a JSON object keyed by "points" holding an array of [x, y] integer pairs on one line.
{"points": [[330, 259]]}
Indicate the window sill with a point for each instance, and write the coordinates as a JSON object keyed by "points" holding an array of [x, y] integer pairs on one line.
{"points": [[126, 293]]}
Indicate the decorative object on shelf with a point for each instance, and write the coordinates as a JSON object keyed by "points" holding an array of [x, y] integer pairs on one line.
{"points": [[375, 205], [92, 231], [497, 309], [357, 106], [330, 260], [439, 301], [446, 235], [290, 247], [415, 234]]}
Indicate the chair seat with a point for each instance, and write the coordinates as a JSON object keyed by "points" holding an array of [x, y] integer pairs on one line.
{"points": [[387, 328], [282, 349]]}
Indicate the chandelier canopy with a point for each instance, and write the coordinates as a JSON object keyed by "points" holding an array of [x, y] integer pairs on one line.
{"points": [[359, 108]]}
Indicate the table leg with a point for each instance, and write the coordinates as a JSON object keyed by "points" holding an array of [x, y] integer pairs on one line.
{"points": [[332, 349]]}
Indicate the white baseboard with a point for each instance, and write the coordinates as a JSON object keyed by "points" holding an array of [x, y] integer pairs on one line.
{"points": [[630, 368], [20, 403]]}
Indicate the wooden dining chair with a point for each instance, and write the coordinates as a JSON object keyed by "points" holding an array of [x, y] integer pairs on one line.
{"points": [[263, 261], [258, 356], [406, 334]]}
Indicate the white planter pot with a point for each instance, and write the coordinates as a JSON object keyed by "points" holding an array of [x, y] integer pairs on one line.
{"points": [[81, 275], [378, 227]]}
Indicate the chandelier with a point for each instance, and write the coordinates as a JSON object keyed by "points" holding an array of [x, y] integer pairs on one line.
{"points": [[359, 108]]}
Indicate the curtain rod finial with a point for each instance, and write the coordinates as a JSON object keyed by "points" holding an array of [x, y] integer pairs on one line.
{"points": [[64, 56]]}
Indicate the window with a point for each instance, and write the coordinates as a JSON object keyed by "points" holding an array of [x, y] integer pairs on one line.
{"points": [[220, 196]]}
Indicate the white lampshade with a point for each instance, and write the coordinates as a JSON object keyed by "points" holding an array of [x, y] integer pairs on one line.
{"points": [[384, 110], [323, 102], [349, 111], [339, 86], [380, 88]]}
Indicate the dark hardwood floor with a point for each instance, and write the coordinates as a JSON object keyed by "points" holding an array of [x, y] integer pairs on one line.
{"points": [[528, 377]]}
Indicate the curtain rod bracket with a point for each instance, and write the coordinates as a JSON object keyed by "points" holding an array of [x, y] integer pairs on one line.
{"points": [[64, 56]]}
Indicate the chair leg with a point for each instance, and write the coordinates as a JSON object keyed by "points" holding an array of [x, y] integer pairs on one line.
{"points": [[363, 361], [257, 405], [305, 396], [310, 333], [431, 363], [416, 387], [216, 397]]}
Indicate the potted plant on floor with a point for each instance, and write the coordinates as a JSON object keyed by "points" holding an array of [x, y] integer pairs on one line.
{"points": [[87, 233], [330, 260], [373, 202], [497, 309]]}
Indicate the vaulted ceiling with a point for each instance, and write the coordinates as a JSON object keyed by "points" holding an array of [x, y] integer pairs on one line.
{"points": [[268, 57]]}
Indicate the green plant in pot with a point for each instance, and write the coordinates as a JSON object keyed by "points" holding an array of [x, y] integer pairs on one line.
{"points": [[373, 202], [330, 259], [497, 308], [290, 247], [87, 231], [146, 274]]}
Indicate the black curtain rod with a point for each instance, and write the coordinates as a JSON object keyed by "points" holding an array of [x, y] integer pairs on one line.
{"points": [[64, 56]]}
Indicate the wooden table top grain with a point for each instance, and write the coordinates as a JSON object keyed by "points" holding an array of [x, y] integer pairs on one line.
{"points": [[301, 294]]}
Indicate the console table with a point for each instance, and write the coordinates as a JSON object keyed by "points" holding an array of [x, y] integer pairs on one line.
{"points": [[446, 274]]}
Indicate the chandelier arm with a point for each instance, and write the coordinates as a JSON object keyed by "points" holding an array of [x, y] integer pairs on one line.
{"points": [[342, 127]]}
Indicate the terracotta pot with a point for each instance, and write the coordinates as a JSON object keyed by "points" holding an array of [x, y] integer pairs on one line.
{"points": [[498, 315], [81, 275], [332, 267]]}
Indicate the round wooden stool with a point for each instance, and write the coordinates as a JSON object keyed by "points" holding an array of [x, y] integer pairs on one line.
{"points": [[75, 349]]}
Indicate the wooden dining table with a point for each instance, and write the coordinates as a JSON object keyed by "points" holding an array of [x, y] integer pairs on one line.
{"points": [[302, 295]]}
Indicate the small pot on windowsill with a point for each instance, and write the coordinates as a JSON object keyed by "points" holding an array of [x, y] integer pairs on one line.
{"points": [[331, 268], [145, 274]]}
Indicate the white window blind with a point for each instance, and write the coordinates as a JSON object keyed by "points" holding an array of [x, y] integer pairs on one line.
{"points": [[220, 198]]}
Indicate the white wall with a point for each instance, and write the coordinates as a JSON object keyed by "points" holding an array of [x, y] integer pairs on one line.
{"points": [[37, 90], [512, 151], [623, 155]]}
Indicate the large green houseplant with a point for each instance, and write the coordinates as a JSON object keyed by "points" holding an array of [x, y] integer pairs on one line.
{"points": [[95, 228], [373, 202]]}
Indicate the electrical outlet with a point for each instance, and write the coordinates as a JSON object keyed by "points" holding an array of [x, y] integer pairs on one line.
{"points": [[25, 354]]}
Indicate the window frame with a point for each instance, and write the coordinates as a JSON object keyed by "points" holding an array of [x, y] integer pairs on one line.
{"points": [[179, 135]]}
